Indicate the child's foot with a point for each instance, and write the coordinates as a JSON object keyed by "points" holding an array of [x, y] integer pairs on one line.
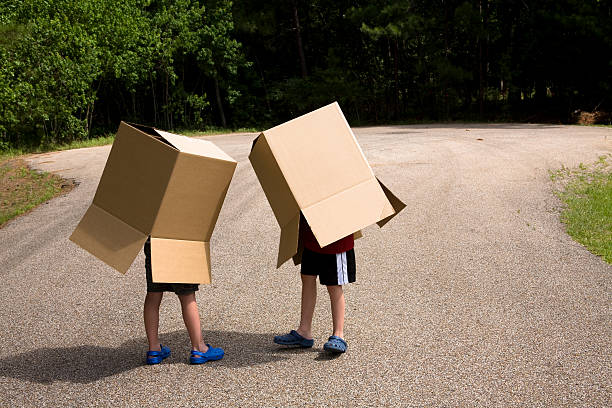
{"points": [[212, 354], [156, 357], [335, 344], [293, 338]]}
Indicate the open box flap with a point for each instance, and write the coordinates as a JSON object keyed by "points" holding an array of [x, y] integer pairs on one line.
{"points": [[395, 202], [195, 146], [108, 238], [347, 212], [288, 245], [180, 261]]}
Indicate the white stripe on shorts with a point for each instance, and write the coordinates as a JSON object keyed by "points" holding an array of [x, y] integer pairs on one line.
{"points": [[342, 268]]}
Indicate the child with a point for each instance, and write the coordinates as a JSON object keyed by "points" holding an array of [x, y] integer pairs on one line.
{"points": [[200, 352], [335, 266]]}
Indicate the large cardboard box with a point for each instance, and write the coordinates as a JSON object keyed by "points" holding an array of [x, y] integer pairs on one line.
{"points": [[314, 165], [168, 186]]}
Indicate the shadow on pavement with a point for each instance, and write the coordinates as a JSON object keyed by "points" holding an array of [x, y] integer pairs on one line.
{"points": [[88, 363], [293, 350], [326, 356]]}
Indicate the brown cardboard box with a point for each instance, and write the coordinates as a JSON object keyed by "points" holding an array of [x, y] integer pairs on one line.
{"points": [[168, 186], [314, 165]]}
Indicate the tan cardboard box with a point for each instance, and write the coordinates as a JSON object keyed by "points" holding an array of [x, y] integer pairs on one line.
{"points": [[314, 165], [168, 186]]}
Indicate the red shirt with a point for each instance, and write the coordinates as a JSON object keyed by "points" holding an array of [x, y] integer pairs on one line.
{"points": [[310, 242]]}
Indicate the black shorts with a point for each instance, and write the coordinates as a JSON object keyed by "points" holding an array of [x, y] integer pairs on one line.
{"points": [[332, 269], [178, 288]]}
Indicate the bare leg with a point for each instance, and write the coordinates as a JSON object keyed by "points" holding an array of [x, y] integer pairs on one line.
{"points": [[151, 318], [336, 297], [309, 300], [191, 317]]}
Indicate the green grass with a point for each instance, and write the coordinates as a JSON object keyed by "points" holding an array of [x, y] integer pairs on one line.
{"points": [[15, 152], [586, 192], [22, 189], [215, 131]]}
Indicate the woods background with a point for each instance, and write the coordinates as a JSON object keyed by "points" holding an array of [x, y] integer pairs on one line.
{"points": [[73, 69]]}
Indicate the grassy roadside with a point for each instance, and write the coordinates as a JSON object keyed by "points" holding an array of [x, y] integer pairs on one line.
{"points": [[586, 192], [14, 153], [22, 189], [108, 139]]}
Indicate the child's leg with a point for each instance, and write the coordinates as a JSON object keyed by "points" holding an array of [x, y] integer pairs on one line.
{"points": [[336, 297], [151, 318], [191, 317], [309, 300]]}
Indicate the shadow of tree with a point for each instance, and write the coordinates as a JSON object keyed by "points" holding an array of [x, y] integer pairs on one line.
{"points": [[88, 363]]}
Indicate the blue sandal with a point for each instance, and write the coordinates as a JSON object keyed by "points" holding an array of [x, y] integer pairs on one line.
{"points": [[293, 338], [335, 344], [156, 357], [213, 353]]}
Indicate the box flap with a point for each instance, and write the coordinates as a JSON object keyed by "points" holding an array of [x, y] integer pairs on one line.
{"points": [[395, 202], [273, 182], [195, 146], [135, 177], [193, 198], [180, 261], [288, 246], [347, 212], [297, 258], [318, 155], [108, 238]]}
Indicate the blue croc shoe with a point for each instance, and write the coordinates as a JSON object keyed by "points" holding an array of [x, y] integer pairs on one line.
{"points": [[335, 344], [293, 339], [213, 353], [156, 357]]}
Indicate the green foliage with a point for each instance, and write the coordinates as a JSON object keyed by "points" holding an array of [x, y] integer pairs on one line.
{"points": [[70, 67], [71, 70]]}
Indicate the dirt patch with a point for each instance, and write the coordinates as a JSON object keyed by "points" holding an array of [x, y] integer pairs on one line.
{"points": [[592, 118], [22, 189]]}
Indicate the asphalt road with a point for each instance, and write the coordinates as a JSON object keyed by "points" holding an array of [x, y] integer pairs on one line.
{"points": [[472, 296]]}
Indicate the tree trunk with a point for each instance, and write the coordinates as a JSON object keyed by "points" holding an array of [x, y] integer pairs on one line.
{"points": [[89, 117], [481, 59], [219, 104], [154, 100], [298, 35], [263, 82], [167, 103], [133, 95], [396, 77], [540, 92]]}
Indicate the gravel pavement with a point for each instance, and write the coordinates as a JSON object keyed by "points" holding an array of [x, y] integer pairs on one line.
{"points": [[472, 296]]}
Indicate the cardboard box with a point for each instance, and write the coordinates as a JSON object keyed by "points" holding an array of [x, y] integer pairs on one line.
{"points": [[168, 186], [314, 165]]}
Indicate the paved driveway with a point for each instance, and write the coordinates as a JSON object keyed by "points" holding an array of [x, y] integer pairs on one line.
{"points": [[473, 296]]}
